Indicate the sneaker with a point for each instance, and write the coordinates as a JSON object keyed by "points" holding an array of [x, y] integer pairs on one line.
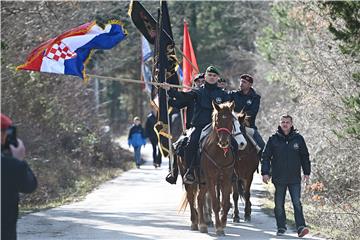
{"points": [[280, 232], [189, 177], [137, 166], [302, 231]]}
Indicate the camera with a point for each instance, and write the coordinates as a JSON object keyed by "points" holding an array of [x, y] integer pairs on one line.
{"points": [[11, 137]]}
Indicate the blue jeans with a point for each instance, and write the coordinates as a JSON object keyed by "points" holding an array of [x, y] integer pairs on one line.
{"points": [[258, 139], [137, 154], [279, 210]]}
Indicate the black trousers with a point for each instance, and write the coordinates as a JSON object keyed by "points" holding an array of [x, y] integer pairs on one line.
{"points": [[191, 151], [156, 153]]}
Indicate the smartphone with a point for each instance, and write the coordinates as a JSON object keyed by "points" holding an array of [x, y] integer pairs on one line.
{"points": [[11, 137]]}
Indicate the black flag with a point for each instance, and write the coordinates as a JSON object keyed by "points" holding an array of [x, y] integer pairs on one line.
{"points": [[165, 64], [143, 21]]}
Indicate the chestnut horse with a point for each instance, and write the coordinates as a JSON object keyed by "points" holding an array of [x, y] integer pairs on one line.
{"points": [[244, 169], [217, 166]]}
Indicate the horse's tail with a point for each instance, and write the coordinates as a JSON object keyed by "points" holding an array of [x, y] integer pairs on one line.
{"points": [[183, 204], [241, 188]]}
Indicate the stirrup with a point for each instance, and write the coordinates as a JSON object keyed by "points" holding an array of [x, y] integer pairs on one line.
{"points": [[170, 178]]}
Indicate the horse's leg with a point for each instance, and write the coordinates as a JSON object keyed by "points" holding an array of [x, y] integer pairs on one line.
{"points": [[216, 208], [190, 194], [207, 210], [247, 184], [200, 200], [226, 190], [236, 217]]}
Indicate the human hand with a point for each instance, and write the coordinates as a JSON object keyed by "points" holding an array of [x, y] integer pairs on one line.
{"points": [[165, 86], [266, 178], [19, 151], [306, 178]]}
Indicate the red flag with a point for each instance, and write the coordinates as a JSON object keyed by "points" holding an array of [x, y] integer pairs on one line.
{"points": [[189, 70]]}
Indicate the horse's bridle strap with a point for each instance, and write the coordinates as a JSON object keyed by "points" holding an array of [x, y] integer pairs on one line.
{"points": [[223, 130], [217, 165]]}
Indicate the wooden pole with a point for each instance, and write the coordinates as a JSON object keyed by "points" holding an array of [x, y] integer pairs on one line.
{"points": [[134, 81]]}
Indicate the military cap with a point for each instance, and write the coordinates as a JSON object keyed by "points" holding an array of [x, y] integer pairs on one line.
{"points": [[212, 69], [222, 80], [247, 77], [199, 76]]}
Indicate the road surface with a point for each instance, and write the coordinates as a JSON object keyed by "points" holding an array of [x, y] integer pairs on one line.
{"points": [[140, 205]]}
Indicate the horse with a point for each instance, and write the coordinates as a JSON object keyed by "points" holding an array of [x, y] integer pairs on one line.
{"points": [[217, 166], [244, 169]]}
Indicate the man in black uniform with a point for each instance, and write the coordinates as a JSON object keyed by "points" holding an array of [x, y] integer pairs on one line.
{"points": [[285, 154], [248, 100], [16, 176], [202, 97], [150, 133]]}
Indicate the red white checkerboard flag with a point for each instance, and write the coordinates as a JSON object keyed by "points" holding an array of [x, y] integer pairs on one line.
{"points": [[61, 51]]}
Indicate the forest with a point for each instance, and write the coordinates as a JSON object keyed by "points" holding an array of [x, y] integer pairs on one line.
{"points": [[304, 57]]}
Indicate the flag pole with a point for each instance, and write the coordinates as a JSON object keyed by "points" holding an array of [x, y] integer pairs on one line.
{"points": [[171, 155], [134, 81]]}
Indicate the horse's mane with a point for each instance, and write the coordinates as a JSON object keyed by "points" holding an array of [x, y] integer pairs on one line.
{"points": [[214, 113], [244, 119]]}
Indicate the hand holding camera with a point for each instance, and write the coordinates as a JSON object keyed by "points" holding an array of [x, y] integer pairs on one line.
{"points": [[19, 151]]}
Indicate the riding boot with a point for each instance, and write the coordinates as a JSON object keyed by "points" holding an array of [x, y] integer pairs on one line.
{"points": [[189, 176]]}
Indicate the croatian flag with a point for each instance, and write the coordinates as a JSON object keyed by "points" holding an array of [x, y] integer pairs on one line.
{"points": [[68, 53]]}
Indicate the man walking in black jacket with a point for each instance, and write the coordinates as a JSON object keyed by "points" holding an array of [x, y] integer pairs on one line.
{"points": [[285, 154], [16, 176], [151, 120]]}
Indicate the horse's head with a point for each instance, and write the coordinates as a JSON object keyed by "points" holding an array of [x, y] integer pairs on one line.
{"points": [[222, 123]]}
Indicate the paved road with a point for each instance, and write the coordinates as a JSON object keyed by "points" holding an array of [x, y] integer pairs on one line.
{"points": [[139, 205]]}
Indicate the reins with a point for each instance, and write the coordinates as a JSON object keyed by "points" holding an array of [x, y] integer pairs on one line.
{"points": [[230, 165]]}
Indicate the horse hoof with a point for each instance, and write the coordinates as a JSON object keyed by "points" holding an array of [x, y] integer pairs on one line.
{"points": [[247, 218], [220, 233], [194, 227], [210, 224], [203, 229], [236, 219]]}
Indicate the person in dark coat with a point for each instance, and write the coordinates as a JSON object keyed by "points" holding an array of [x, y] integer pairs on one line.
{"points": [[202, 97], [284, 156], [150, 133], [136, 139], [247, 100], [16, 177]]}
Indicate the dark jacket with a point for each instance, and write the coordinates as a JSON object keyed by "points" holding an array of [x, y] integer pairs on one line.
{"points": [[136, 136], [249, 103], [149, 128], [16, 176], [285, 156], [202, 98]]}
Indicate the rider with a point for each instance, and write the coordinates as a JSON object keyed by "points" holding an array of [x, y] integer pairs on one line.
{"points": [[203, 109], [248, 100]]}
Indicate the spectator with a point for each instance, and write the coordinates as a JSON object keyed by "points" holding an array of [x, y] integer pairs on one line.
{"points": [[16, 176], [136, 138]]}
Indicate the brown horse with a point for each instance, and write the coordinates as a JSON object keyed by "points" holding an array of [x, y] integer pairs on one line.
{"points": [[244, 169], [217, 165], [180, 166]]}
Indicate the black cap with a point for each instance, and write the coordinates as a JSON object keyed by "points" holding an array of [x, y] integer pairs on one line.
{"points": [[199, 76], [247, 77]]}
